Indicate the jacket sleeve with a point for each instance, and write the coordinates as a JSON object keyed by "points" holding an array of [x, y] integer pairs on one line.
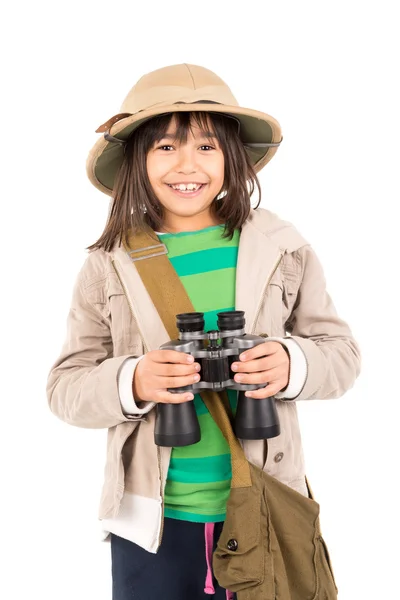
{"points": [[82, 386], [332, 354]]}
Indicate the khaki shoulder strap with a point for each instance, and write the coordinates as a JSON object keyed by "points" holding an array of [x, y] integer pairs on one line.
{"points": [[170, 298]]}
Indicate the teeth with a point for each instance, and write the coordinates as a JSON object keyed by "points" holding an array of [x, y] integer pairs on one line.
{"points": [[188, 187]]}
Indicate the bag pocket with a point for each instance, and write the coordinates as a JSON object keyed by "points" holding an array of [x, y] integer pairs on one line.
{"points": [[293, 521], [302, 569], [238, 560]]}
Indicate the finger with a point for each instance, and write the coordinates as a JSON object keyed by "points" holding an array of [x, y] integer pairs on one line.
{"points": [[270, 390], [260, 350], [177, 382], [259, 364], [164, 397], [175, 370], [262, 377], [171, 356]]}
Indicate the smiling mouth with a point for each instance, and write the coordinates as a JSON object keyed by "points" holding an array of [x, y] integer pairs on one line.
{"points": [[189, 187]]}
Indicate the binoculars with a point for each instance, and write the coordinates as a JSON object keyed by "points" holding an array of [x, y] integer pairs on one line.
{"points": [[216, 350]]}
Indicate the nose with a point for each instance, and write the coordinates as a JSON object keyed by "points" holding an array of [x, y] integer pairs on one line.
{"points": [[186, 160]]}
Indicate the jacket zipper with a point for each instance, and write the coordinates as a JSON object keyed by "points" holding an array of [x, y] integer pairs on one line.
{"points": [[276, 265], [136, 320]]}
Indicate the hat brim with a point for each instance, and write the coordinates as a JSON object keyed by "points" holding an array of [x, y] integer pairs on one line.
{"points": [[256, 130]]}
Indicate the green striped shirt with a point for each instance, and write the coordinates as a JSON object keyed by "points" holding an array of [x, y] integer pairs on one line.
{"points": [[199, 476]]}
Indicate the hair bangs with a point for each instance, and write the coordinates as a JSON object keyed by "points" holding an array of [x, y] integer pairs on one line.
{"points": [[185, 122]]}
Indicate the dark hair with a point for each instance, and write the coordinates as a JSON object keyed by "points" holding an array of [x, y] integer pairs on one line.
{"points": [[133, 192]]}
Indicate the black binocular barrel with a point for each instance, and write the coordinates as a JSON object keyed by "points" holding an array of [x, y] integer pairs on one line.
{"points": [[256, 418], [177, 424]]}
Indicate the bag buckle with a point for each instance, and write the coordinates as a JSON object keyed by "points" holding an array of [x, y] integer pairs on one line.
{"points": [[150, 255]]}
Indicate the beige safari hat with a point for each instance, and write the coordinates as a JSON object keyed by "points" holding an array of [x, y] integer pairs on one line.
{"points": [[173, 89]]}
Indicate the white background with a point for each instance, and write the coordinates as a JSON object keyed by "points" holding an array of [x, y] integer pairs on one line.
{"points": [[328, 72]]}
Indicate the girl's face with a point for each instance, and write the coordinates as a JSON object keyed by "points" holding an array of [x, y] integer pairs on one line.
{"points": [[186, 177]]}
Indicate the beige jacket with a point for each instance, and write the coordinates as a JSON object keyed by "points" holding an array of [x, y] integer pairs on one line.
{"points": [[281, 287]]}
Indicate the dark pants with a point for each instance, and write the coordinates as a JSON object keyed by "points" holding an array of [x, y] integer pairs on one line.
{"points": [[177, 572]]}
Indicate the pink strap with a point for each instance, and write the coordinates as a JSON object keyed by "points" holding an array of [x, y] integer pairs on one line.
{"points": [[209, 538]]}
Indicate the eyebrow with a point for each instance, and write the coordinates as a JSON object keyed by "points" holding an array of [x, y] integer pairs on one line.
{"points": [[172, 136]]}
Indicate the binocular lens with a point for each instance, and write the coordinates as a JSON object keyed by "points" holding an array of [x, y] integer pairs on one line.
{"points": [[231, 320], [187, 322]]}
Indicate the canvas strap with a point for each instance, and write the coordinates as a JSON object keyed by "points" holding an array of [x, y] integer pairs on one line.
{"points": [[170, 298]]}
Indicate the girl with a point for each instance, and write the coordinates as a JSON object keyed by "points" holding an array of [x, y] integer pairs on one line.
{"points": [[180, 161]]}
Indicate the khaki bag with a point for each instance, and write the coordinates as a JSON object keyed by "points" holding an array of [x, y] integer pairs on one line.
{"points": [[271, 547]]}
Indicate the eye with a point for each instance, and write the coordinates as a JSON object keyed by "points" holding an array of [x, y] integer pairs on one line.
{"points": [[165, 148], [208, 147]]}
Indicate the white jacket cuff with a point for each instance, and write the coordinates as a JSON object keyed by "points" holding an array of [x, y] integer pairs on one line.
{"points": [[126, 398], [298, 368]]}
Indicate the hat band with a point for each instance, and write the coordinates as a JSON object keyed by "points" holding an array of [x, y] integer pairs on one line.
{"points": [[112, 139]]}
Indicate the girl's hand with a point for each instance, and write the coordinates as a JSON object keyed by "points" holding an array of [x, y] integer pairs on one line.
{"points": [[266, 363], [155, 373]]}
